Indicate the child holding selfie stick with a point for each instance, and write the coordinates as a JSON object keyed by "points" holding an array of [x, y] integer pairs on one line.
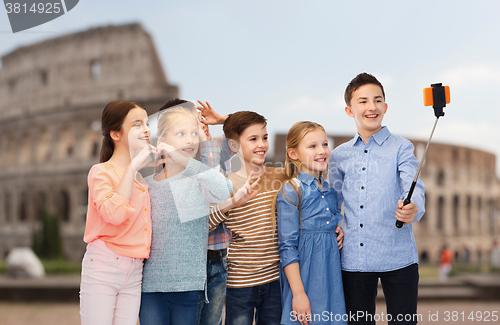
{"points": [[118, 227], [175, 273], [372, 174], [310, 271]]}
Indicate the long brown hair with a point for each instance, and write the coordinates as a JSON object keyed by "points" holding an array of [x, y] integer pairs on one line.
{"points": [[112, 119], [292, 167]]}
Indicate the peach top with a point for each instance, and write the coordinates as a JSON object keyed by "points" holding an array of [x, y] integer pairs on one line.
{"points": [[125, 226]]}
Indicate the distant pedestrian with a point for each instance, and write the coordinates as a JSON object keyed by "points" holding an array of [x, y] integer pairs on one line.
{"points": [[445, 260], [465, 254], [495, 255]]}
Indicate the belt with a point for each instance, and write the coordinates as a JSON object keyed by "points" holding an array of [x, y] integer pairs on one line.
{"points": [[215, 255]]}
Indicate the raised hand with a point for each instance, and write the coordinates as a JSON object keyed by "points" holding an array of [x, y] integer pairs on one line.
{"points": [[246, 192], [211, 117], [175, 155], [140, 161]]}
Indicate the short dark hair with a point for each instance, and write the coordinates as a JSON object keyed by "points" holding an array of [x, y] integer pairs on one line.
{"points": [[360, 80], [238, 122], [176, 102]]}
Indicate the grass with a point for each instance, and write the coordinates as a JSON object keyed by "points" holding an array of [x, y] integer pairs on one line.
{"points": [[428, 271], [61, 267], [54, 267]]}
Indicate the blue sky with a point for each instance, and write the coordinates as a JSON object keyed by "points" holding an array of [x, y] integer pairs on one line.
{"points": [[291, 60]]}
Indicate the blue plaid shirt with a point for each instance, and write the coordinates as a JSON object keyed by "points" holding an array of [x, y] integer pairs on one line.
{"points": [[370, 179], [216, 154]]}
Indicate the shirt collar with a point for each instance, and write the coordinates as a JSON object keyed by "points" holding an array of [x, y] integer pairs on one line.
{"points": [[308, 179], [378, 137]]}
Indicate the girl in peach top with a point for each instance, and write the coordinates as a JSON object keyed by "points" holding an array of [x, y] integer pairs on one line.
{"points": [[118, 228]]}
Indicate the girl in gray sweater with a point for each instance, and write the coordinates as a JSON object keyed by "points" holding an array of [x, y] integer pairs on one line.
{"points": [[175, 272]]}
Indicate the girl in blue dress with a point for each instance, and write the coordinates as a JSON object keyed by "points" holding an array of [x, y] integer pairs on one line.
{"points": [[309, 233]]}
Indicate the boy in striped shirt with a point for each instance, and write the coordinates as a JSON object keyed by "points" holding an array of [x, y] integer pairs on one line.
{"points": [[253, 259]]}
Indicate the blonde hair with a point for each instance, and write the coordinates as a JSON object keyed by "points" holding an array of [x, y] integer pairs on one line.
{"points": [[292, 167], [169, 116], [166, 119]]}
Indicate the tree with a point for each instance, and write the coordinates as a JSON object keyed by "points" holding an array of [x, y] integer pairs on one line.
{"points": [[47, 242]]}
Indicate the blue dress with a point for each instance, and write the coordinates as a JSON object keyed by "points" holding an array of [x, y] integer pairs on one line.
{"points": [[313, 244]]}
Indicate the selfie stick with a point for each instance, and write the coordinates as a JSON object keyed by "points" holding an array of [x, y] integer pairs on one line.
{"points": [[436, 96]]}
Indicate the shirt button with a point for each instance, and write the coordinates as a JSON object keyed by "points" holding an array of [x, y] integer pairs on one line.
{"points": [[364, 168], [327, 209], [362, 187], [145, 209], [147, 248], [145, 229], [143, 190], [361, 225], [361, 206], [322, 196], [366, 151], [328, 222], [361, 244]]}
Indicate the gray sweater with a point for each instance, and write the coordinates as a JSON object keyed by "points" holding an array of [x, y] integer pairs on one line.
{"points": [[179, 215]]}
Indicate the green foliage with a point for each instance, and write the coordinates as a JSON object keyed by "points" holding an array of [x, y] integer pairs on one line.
{"points": [[61, 267], [47, 242]]}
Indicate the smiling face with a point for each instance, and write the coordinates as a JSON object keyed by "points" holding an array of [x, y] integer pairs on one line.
{"points": [[183, 135], [135, 129], [312, 152], [367, 108], [254, 144]]}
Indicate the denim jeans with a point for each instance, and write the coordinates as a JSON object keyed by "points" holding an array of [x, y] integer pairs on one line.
{"points": [[211, 312], [400, 291], [170, 308], [264, 299]]}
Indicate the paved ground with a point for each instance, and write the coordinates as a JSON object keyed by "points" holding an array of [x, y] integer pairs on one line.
{"points": [[431, 313], [438, 302]]}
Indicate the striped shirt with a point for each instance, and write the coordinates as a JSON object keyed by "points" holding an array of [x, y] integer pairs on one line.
{"points": [[253, 257]]}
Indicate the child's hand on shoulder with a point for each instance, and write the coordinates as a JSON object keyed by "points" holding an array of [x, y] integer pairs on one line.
{"points": [[406, 213], [302, 307], [340, 237]]}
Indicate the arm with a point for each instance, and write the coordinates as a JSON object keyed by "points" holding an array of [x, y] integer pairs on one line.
{"points": [[124, 189], [407, 168], [112, 207], [114, 204], [288, 241], [219, 214], [215, 187], [210, 154]]}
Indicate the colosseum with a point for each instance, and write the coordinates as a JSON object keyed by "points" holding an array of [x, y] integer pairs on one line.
{"points": [[462, 200], [53, 93]]}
